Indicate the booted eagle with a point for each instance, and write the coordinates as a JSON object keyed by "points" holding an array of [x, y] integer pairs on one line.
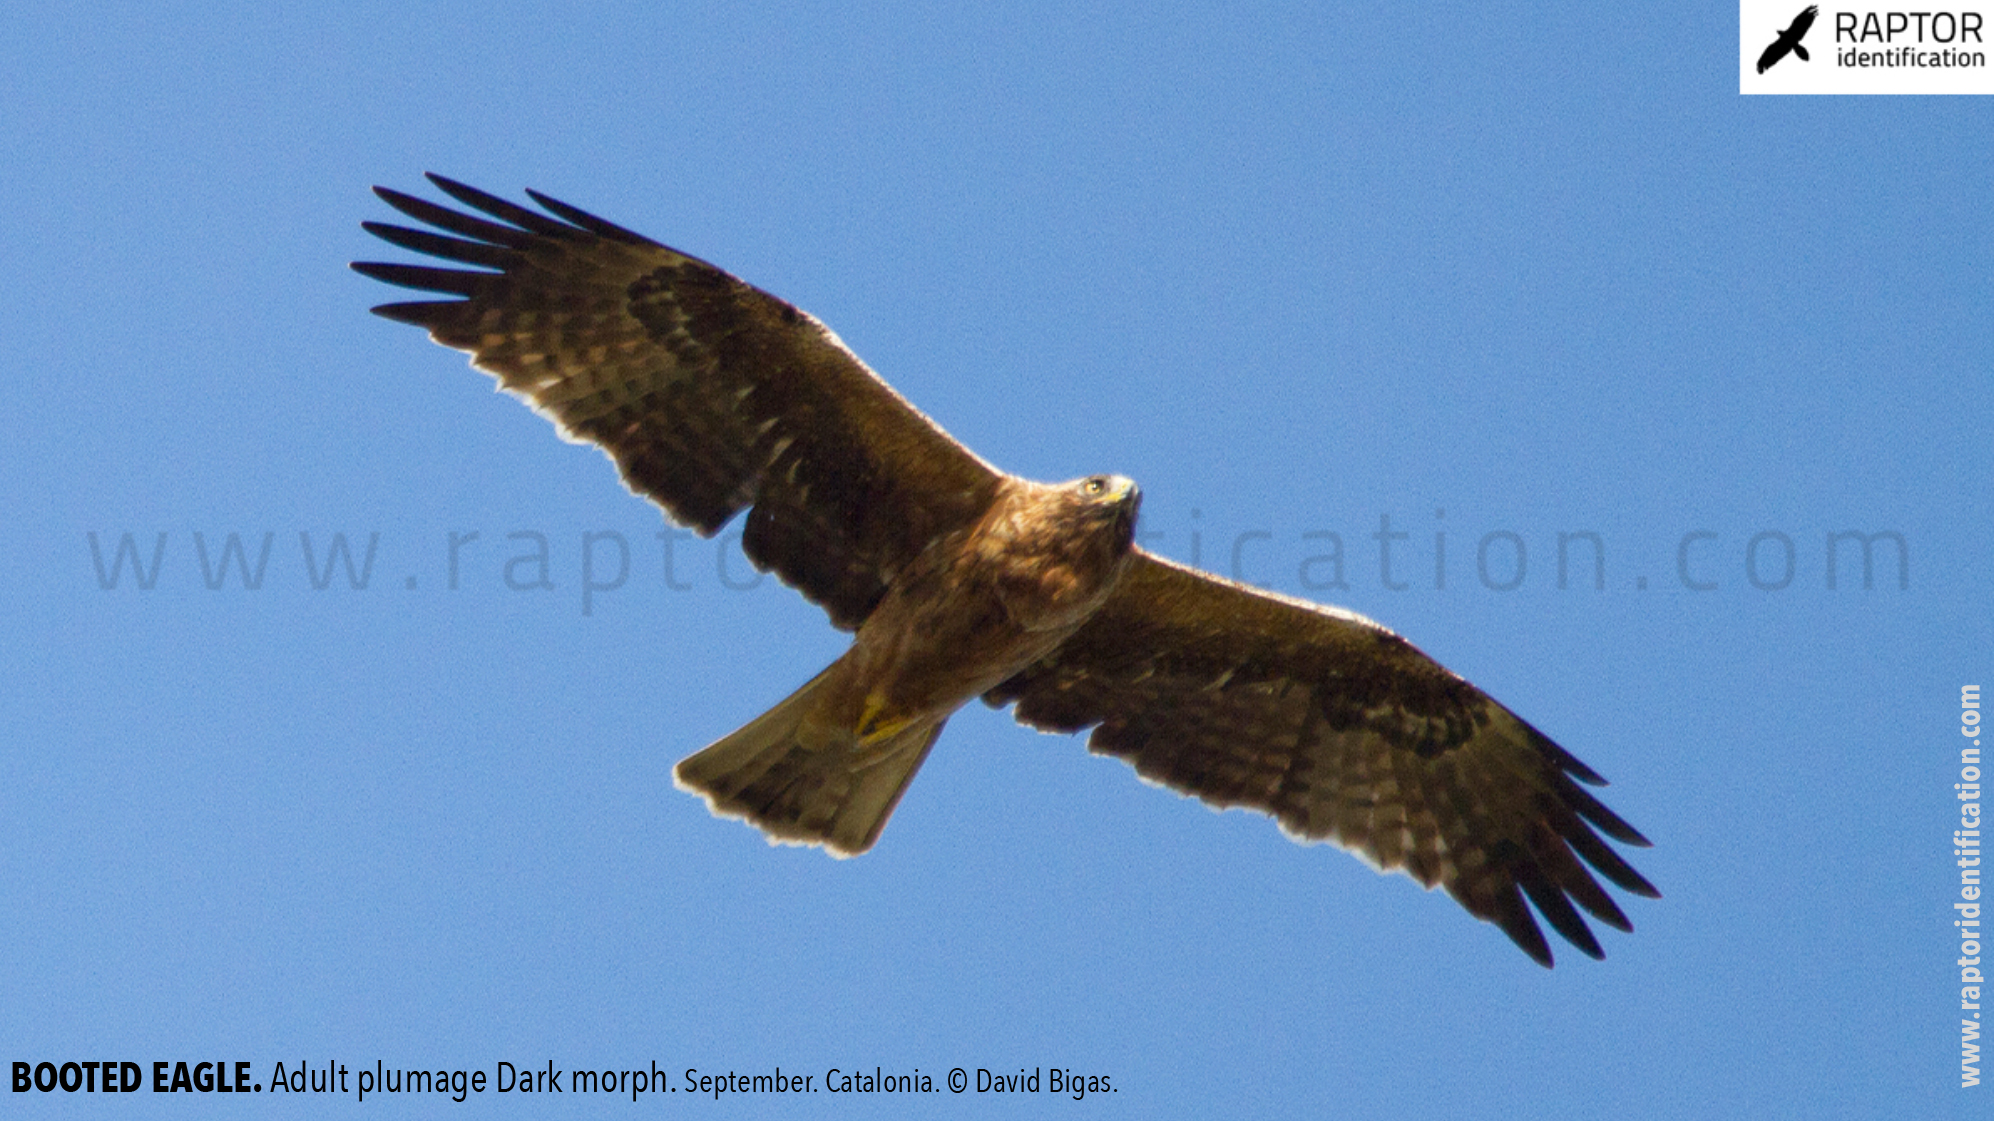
{"points": [[959, 581]]}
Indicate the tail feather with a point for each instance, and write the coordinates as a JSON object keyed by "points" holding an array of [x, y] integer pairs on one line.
{"points": [[808, 785]]}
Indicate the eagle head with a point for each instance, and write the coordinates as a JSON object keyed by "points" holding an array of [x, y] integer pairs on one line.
{"points": [[1107, 504]]}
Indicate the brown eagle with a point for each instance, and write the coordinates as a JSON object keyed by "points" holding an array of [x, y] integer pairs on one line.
{"points": [[960, 581]]}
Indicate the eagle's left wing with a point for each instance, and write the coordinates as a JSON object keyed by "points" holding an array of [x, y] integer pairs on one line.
{"points": [[1343, 731]]}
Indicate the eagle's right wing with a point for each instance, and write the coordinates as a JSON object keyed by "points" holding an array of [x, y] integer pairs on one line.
{"points": [[710, 395]]}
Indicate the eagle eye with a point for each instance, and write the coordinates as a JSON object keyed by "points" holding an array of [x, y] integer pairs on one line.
{"points": [[1095, 487]]}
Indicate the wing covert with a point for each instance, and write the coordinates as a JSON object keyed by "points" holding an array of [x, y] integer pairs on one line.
{"points": [[709, 394], [1342, 731]]}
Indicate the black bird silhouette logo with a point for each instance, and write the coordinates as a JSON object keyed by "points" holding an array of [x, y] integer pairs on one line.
{"points": [[1789, 40]]}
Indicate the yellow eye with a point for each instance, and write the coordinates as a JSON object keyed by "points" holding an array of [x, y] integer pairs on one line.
{"points": [[1096, 486]]}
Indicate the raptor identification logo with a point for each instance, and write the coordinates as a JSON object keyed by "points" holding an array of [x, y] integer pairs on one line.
{"points": [[1785, 46]]}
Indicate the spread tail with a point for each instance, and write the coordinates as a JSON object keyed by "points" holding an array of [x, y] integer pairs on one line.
{"points": [[801, 783]]}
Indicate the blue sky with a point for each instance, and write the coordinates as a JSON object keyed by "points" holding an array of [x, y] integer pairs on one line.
{"points": [[1296, 270]]}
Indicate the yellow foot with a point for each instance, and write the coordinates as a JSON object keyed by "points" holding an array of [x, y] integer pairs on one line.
{"points": [[876, 725]]}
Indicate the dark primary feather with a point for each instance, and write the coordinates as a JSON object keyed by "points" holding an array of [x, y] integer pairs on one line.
{"points": [[1343, 732], [711, 395]]}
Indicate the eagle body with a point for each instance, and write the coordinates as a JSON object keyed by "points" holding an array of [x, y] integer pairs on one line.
{"points": [[716, 399], [828, 766]]}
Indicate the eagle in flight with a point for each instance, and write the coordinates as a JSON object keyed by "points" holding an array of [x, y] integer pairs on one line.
{"points": [[1789, 40], [959, 581]]}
